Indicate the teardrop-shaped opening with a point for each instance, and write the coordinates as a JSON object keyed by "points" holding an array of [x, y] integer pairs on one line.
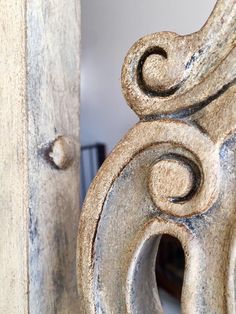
{"points": [[159, 258], [170, 265]]}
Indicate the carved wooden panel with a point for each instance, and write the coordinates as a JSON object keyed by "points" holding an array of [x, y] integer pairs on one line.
{"points": [[173, 173]]}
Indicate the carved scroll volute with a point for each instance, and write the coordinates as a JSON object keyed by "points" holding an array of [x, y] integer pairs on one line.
{"points": [[173, 173]]}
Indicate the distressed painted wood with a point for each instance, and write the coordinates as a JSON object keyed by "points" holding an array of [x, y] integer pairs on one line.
{"points": [[173, 173], [39, 150], [13, 154]]}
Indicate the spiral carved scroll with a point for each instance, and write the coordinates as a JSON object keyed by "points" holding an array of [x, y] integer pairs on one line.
{"points": [[173, 173]]}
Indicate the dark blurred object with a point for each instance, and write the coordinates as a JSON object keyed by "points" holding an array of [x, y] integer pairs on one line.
{"points": [[170, 266], [91, 159]]}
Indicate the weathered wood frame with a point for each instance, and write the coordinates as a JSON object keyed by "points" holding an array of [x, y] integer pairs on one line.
{"points": [[174, 172], [39, 149]]}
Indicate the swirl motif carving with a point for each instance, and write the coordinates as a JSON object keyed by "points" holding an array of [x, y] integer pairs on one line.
{"points": [[174, 180], [165, 73], [174, 173]]}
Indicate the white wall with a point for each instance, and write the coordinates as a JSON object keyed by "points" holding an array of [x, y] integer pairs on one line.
{"points": [[109, 28]]}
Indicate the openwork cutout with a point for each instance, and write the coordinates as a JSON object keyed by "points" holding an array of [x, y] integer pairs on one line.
{"points": [[143, 296], [173, 173], [170, 267]]}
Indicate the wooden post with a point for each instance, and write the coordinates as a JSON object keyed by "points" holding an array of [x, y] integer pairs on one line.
{"points": [[39, 150]]}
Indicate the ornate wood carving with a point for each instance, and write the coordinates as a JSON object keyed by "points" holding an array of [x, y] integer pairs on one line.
{"points": [[173, 173]]}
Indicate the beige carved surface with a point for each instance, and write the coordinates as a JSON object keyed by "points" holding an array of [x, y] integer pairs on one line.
{"points": [[174, 172], [39, 151]]}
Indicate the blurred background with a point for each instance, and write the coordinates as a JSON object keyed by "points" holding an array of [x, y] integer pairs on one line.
{"points": [[109, 29]]}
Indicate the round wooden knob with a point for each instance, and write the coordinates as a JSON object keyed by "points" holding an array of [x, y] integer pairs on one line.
{"points": [[62, 152]]}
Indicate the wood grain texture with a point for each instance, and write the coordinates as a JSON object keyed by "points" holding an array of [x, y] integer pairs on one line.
{"points": [[39, 200], [53, 111], [13, 156]]}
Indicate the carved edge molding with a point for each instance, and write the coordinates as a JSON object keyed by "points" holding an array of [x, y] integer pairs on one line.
{"points": [[174, 172]]}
